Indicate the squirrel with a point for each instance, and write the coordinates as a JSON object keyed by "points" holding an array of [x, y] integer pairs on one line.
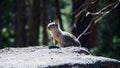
{"points": [[65, 39]]}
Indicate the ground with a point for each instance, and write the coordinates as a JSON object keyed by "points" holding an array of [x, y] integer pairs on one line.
{"points": [[39, 57]]}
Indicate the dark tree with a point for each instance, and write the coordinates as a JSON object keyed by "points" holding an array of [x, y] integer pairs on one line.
{"points": [[44, 24], [58, 13], [1, 21], [110, 33], [80, 22], [34, 23], [93, 38], [20, 31]]}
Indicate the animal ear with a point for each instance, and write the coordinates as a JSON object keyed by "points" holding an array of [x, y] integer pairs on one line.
{"points": [[56, 21]]}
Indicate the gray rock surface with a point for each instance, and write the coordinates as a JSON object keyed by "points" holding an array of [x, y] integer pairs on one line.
{"points": [[42, 57]]}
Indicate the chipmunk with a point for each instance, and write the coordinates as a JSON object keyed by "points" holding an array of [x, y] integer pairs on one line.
{"points": [[63, 38]]}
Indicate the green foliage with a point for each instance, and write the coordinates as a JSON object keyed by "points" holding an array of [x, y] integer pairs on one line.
{"points": [[7, 28]]}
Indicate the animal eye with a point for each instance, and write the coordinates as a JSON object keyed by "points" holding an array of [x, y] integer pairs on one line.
{"points": [[55, 25]]}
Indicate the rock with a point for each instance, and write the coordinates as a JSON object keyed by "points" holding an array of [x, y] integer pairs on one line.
{"points": [[43, 57]]}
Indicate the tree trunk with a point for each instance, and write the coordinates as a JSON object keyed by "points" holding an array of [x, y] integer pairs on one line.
{"points": [[33, 25], [1, 21], [81, 22], [93, 38], [20, 23], [58, 13], [45, 20]]}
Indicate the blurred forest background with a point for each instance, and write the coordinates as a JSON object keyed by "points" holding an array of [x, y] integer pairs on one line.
{"points": [[23, 23]]}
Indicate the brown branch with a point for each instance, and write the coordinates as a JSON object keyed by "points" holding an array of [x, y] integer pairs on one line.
{"points": [[84, 32], [105, 9], [83, 7], [99, 15], [102, 14]]}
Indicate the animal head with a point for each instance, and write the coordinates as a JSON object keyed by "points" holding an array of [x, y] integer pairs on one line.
{"points": [[54, 25]]}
